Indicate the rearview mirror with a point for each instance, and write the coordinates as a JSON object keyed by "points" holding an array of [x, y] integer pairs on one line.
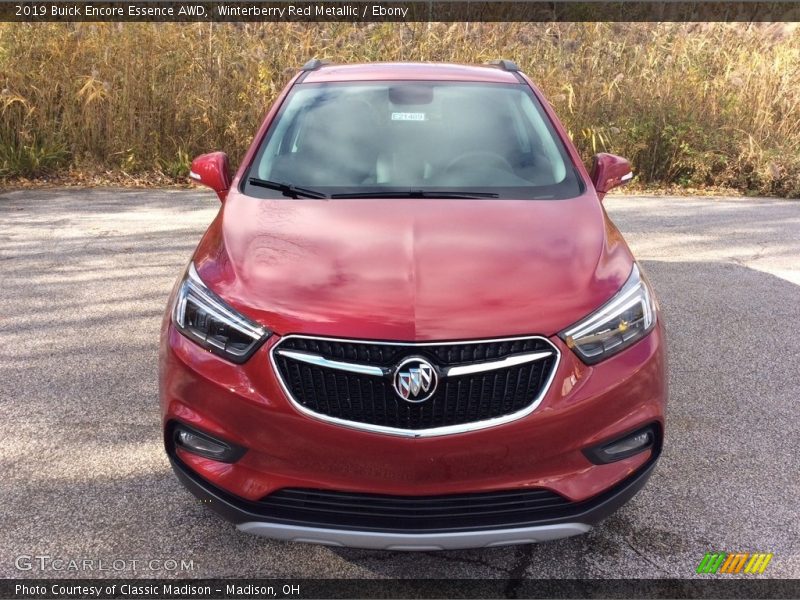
{"points": [[609, 171], [213, 171]]}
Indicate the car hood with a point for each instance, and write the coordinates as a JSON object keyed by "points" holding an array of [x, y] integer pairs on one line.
{"points": [[416, 269]]}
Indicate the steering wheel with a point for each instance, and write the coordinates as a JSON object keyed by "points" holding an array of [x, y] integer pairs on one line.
{"points": [[480, 156]]}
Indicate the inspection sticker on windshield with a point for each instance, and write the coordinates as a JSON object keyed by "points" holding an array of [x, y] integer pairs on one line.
{"points": [[408, 116]]}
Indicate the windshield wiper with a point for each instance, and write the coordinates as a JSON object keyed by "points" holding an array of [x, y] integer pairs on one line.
{"points": [[292, 191], [416, 194]]}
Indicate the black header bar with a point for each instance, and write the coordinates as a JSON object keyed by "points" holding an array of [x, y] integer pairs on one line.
{"points": [[359, 11], [212, 589]]}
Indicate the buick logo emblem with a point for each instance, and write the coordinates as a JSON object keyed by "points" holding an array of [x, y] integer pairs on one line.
{"points": [[415, 380]]}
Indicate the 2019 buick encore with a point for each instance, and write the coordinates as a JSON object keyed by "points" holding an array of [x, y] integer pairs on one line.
{"points": [[412, 324]]}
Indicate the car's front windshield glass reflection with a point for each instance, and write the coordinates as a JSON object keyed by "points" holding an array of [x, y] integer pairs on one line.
{"points": [[421, 138]]}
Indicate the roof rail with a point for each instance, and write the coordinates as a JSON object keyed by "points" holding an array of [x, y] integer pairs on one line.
{"points": [[314, 64], [506, 65]]}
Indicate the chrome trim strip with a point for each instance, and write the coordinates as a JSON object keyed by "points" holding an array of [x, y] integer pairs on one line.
{"points": [[321, 361], [418, 433], [379, 540], [510, 361]]}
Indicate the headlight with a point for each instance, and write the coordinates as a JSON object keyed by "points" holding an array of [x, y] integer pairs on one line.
{"points": [[626, 318], [203, 317]]}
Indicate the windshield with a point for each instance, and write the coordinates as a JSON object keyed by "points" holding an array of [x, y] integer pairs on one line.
{"points": [[415, 138]]}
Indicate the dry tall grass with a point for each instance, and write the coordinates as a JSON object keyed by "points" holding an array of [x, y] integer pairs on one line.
{"points": [[692, 104]]}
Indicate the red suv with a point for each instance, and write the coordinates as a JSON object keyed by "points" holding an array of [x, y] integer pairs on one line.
{"points": [[412, 325]]}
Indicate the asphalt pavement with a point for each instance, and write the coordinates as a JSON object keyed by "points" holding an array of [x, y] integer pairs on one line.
{"points": [[84, 277]]}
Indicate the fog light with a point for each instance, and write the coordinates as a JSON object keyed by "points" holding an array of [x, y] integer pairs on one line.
{"points": [[631, 444], [205, 445], [635, 442]]}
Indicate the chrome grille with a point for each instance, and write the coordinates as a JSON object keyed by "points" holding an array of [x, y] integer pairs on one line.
{"points": [[481, 383]]}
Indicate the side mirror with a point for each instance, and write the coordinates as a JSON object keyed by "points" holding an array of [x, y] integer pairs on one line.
{"points": [[609, 171], [212, 170]]}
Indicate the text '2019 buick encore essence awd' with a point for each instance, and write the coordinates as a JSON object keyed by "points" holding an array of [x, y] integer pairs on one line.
{"points": [[411, 324]]}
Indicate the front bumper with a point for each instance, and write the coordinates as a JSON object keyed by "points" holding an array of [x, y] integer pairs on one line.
{"points": [[244, 404], [577, 519]]}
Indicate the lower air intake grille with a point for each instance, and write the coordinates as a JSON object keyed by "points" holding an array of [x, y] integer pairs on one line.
{"points": [[414, 513]]}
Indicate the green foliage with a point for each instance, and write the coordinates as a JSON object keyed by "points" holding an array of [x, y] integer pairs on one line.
{"points": [[32, 159], [690, 104]]}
